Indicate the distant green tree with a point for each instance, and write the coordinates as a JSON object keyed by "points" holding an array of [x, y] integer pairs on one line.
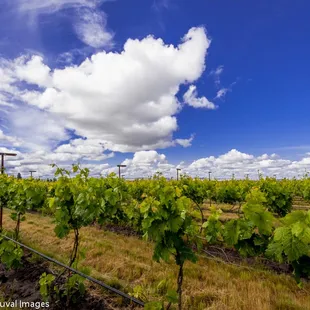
{"points": [[19, 176]]}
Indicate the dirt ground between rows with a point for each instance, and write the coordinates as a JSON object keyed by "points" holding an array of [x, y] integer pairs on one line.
{"points": [[22, 284]]}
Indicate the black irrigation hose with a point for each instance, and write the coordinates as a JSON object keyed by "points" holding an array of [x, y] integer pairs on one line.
{"points": [[114, 290]]}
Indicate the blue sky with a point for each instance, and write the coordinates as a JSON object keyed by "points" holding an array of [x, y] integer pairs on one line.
{"points": [[248, 64]]}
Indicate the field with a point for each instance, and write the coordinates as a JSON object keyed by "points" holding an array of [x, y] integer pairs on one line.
{"points": [[126, 262], [188, 244]]}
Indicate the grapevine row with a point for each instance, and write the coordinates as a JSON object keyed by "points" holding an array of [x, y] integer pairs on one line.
{"points": [[165, 212]]}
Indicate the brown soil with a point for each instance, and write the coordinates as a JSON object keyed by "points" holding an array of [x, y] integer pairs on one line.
{"points": [[122, 230], [22, 284]]}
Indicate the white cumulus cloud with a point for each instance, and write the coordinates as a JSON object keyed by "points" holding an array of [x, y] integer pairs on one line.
{"points": [[127, 100]]}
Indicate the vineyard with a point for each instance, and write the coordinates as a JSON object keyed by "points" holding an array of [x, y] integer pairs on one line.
{"points": [[96, 225]]}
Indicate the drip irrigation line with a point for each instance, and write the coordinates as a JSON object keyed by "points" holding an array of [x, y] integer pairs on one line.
{"points": [[110, 288]]}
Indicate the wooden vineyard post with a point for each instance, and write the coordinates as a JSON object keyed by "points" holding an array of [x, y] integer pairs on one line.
{"points": [[178, 169], [119, 170]]}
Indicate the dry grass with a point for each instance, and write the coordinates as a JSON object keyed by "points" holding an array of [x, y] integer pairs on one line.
{"points": [[301, 207], [225, 216], [231, 212], [126, 262], [300, 201]]}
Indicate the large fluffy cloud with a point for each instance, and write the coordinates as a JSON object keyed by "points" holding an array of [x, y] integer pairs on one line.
{"points": [[127, 99]]}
